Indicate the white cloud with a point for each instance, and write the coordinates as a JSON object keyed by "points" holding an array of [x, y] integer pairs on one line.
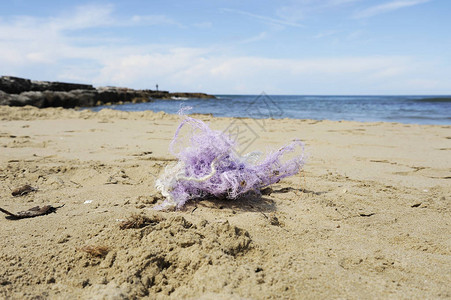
{"points": [[326, 34], [27, 40], [151, 20], [341, 2], [31, 46], [86, 16], [389, 72], [357, 34], [255, 38], [298, 10], [228, 74], [426, 84], [387, 7], [203, 25], [293, 13], [265, 19]]}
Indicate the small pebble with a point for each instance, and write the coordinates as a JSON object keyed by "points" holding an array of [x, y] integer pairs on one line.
{"points": [[273, 220]]}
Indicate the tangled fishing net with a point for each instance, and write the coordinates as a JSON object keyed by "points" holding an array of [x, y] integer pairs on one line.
{"points": [[208, 166]]}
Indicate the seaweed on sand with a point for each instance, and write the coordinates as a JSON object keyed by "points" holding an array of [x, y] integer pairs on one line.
{"points": [[139, 221], [32, 212]]}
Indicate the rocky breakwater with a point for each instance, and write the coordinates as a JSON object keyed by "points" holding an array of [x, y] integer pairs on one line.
{"points": [[15, 91]]}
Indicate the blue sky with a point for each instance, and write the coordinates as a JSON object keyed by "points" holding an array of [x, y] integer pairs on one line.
{"points": [[233, 47]]}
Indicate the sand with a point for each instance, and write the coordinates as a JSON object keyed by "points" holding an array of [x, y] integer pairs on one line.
{"points": [[369, 216]]}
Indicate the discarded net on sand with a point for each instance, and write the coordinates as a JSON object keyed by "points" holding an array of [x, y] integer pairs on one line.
{"points": [[208, 166]]}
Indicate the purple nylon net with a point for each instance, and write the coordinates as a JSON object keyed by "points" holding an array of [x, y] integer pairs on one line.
{"points": [[209, 167]]}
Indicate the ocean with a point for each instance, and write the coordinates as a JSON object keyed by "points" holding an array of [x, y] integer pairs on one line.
{"points": [[402, 109]]}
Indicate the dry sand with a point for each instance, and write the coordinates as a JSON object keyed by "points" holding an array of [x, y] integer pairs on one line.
{"points": [[369, 217]]}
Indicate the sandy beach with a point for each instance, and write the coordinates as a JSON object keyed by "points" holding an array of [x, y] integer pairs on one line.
{"points": [[368, 217]]}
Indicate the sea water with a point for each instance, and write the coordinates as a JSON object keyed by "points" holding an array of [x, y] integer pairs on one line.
{"points": [[402, 109]]}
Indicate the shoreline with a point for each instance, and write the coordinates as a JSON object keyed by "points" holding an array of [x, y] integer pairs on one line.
{"points": [[367, 217], [48, 112], [392, 109]]}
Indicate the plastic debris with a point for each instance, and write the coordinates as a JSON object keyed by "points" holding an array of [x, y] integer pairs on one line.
{"points": [[208, 166]]}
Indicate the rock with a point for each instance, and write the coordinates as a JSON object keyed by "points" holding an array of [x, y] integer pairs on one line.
{"points": [[116, 95], [5, 98], [50, 99], [15, 91], [14, 85], [58, 86]]}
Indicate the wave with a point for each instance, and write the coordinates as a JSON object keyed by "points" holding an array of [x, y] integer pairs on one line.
{"points": [[419, 118], [434, 99], [179, 98], [412, 109]]}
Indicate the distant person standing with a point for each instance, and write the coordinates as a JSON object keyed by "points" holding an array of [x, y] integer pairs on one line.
{"points": [[156, 86]]}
